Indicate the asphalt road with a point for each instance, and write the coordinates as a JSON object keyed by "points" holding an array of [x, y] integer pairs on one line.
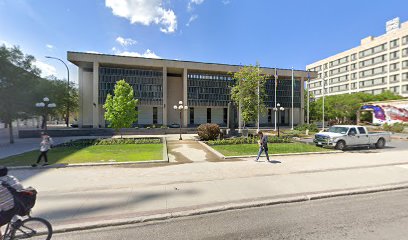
{"points": [[372, 216]]}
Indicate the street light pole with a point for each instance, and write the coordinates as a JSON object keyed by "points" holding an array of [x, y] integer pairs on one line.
{"points": [[180, 107], [45, 104], [277, 110], [67, 118], [308, 97]]}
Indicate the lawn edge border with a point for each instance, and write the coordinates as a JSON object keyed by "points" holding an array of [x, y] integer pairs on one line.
{"points": [[212, 149], [165, 151], [287, 154], [85, 165]]}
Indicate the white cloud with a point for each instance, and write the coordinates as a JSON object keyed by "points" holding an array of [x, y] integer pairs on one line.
{"points": [[192, 18], [46, 69], [144, 12], [226, 2], [147, 54], [49, 46], [125, 41], [191, 4]]}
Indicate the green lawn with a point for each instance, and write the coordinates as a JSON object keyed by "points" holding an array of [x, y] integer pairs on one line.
{"points": [[95, 153], [252, 149]]}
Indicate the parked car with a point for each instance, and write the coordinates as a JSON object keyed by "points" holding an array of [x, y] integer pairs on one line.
{"points": [[345, 136]]}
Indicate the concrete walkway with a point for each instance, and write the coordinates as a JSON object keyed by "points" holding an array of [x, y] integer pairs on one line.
{"points": [[72, 197]]}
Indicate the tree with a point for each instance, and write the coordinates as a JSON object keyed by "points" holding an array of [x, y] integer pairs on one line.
{"points": [[121, 108], [343, 108], [18, 77], [245, 91]]}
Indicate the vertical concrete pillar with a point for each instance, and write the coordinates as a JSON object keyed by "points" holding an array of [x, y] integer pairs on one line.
{"points": [[185, 102], [81, 97], [302, 102], [95, 93], [165, 96]]}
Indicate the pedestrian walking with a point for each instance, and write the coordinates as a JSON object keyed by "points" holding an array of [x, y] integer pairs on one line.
{"points": [[45, 145], [263, 146]]}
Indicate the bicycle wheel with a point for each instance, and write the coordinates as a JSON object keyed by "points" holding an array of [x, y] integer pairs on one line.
{"points": [[35, 228]]}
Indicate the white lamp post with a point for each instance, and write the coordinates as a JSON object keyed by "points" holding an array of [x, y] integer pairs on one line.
{"points": [[45, 104], [180, 108], [277, 110]]}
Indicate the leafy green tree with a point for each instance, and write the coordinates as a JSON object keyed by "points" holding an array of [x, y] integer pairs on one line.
{"points": [[18, 78], [245, 91], [121, 108], [343, 108]]}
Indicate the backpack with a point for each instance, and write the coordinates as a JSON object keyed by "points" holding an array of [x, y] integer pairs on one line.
{"points": [[24, 200]]}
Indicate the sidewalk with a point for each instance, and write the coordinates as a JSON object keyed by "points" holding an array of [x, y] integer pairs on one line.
{"points": [[73, 197]]}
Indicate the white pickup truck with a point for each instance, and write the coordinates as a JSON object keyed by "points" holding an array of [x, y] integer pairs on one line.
{"points": [[343, 136]]}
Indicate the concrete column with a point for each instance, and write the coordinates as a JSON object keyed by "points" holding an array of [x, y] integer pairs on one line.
{"points": [[95, 93], [185, 96], [165, 96], [81, 97], [302, 102]]}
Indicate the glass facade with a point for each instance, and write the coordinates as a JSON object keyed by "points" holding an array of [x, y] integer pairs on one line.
{"points": [[214, 90], [147, 84], [208, 89], [283, 92]]}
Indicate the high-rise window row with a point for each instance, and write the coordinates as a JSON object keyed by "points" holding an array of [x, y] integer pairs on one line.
{"points": [[147, 84], [208, 89]]}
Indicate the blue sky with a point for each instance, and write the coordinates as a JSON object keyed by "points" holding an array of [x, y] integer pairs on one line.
{"points": [[281, 34]]}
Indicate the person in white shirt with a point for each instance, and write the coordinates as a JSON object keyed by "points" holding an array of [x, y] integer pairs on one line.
{"points": [[45, 145], [7, 207]]}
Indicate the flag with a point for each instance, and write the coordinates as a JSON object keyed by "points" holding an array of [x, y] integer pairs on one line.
{"points": [[276, 77]]}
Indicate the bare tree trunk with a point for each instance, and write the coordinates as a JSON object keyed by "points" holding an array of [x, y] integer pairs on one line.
{"points": [[11, 132]]}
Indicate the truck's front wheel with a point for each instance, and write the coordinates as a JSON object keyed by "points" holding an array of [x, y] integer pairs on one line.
{"points": [[340, 145], [380, 143]]}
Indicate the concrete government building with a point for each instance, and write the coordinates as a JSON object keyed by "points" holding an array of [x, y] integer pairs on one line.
{"points": [[378, 64], [159, 84]]}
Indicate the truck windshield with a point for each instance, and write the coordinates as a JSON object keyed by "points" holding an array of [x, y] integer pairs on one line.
{"points": [[341, 130]]}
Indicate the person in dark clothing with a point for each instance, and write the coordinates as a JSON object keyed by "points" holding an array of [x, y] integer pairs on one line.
{"points": [[45, 145], [263, 146]]}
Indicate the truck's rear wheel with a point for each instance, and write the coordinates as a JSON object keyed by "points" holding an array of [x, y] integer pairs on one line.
{"points": [[380, 143], [340, 145]]}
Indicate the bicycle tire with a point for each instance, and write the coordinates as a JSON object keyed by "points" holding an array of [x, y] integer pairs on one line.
{"points": [[36, 228]]}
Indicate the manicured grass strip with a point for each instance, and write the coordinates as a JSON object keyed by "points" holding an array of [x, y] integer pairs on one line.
{"points": [[252, 149], [96, 153]]}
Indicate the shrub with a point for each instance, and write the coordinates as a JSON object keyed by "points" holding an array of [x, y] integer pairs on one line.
{"points": [[208, 131], [396, 127], [109, 141], [311, 127], [253, 140]]}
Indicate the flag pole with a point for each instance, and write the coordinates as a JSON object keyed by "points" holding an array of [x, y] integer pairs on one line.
{"points": [[258, 98], [324, 90], [308, 97], [292, 96], [276, 84]]}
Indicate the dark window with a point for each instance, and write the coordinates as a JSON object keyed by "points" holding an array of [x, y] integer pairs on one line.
{"points": [[353, 131], [269, 115], [191, 115], [361, 130], [225, 116], [208, 115], [155, 115]]}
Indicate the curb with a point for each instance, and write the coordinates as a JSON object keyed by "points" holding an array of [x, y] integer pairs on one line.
{"points": [[165, 151], [85, 165], [228, 207], [287, 154], [220, 155]]}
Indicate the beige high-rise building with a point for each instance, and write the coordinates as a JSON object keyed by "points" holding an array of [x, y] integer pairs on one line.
{"points": [[378, 64]]}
